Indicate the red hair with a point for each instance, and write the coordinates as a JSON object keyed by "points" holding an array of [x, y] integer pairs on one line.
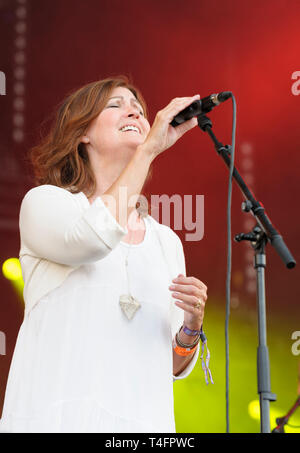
{"points": [[61, 159]]}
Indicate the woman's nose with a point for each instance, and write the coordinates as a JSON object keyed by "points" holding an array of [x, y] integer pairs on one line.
{"points": [[134, 114], [133, 111]]}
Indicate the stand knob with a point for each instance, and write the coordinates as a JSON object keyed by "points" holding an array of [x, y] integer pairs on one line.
{"points": [[246, 206]]}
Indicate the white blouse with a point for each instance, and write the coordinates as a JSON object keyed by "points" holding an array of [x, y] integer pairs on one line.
{"points": [[79, 364]]}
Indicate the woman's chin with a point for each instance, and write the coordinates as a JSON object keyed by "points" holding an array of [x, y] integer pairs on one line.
{"points": [[133, 143]]}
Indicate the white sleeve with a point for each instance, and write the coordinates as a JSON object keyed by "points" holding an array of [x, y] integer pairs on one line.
{"points": [[178, 317], [53, 227]]}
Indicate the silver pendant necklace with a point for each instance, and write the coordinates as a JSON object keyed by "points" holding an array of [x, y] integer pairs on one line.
{"points": [[128, 303]]}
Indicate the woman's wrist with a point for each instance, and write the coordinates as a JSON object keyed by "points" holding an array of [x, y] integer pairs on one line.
{"points": [[191, 332], [193, 327], [185, 338], [144, 150]]}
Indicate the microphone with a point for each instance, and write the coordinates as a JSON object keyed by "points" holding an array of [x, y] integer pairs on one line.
{"points": [[204, 105]]}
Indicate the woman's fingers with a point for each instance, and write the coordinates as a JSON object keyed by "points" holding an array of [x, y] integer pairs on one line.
{"points": [[190, 294], [190, 291], [186, 126], [177, 105], [162, 135], [190, 309], [182, 280], [189, 300]]}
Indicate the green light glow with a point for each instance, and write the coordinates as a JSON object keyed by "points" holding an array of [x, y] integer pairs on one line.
{"points": [[201, 408]]}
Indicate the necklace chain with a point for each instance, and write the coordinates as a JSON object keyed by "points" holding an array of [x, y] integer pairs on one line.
{"points": [[126, 257], [129, 304]]}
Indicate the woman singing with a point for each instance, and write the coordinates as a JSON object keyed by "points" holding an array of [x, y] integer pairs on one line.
{"points": [[111, 319]]}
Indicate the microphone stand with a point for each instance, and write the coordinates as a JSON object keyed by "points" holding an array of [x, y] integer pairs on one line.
{"points": [[260, 235]]}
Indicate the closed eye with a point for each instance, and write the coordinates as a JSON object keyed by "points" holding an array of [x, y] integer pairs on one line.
{"points": [[141, 112]]}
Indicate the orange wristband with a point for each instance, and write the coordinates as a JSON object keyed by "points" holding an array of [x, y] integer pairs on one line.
{"points": [[182, 351]]}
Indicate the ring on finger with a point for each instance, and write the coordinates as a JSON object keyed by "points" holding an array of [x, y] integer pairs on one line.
{"points": [[199, 304]]}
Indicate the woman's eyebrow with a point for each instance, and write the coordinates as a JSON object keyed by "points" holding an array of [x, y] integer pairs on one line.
{"points": [[132, 99]]}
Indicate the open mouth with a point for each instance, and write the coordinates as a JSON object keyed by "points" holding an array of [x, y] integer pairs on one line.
{"points": [[130, 129]]}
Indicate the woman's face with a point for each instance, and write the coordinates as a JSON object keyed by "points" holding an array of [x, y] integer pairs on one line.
{"points": [[106, 133]]}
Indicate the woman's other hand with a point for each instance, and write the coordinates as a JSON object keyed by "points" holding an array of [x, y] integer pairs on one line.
{"points": [[162, 135], [192, 296]]}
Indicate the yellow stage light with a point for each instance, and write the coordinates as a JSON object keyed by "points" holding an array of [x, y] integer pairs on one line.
{"points": [[11, 269], [254, 412]]}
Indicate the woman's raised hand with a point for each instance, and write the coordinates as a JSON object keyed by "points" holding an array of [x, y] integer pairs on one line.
{"points": [[162, 135]]}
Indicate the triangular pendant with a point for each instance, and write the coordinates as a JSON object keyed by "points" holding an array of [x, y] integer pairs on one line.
{"points": [[129, 305]]}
